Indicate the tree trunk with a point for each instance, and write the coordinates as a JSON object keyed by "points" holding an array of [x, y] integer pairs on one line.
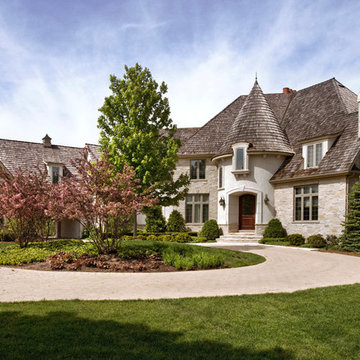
{"points": [[135, 225]]}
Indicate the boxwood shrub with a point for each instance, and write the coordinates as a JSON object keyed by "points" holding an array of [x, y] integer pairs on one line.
{"points": [[210, 230], [295, 239], [176, 222], [274, 229], [317, 241], [183, 238]]}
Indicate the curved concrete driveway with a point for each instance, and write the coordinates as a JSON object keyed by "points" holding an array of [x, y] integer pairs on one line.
{"points": [[285, 270]]}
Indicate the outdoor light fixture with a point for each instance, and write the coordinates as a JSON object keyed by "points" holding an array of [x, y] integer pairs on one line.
{"points": [[266, 199], [222, 202]]}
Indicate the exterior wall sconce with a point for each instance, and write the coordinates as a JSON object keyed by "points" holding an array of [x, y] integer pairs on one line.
{"points": [[222, 202], [266, 199]]}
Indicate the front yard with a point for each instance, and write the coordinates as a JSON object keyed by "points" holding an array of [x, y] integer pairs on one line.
{"points": [[313, 324]]}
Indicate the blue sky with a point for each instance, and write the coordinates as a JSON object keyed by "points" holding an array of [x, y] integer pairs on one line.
{"points": [[56, 56]]}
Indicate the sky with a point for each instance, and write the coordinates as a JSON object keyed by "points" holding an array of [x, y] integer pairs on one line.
{"points": [[56, 56]]}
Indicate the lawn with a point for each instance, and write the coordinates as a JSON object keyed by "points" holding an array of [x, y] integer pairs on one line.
{"points": [[313, 324]]}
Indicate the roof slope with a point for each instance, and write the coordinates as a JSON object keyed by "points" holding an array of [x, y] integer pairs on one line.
{"points": [[321, 110], [28, 155], [256, 124]]}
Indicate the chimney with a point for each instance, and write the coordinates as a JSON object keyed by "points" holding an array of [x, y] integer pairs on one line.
{"points": [[46, 141], [358, 99], [287, 90]]}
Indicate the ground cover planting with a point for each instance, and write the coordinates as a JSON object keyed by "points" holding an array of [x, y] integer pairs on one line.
{"points": [[313, 324], [130, 255]]}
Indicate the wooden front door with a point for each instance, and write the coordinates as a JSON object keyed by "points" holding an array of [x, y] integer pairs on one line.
{"points": [[247, 204]]}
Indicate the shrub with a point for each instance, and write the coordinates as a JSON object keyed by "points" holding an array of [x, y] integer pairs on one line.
{"points": [[176, 222], [166, 238], [151, 238], [155, 221], [210, 230], [316, 241], [295, 239], [332, 240], [271, 240], [183, 238], [5, 235], [274, 229]]}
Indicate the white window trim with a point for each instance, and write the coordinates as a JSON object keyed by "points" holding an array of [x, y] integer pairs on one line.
{"points": [[243, 146], [50, 167], [326, 144]]}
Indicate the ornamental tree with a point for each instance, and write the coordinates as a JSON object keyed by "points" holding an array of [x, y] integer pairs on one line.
{"points": [[136, 129], [351, 235], [24, 201], [101, 198]]}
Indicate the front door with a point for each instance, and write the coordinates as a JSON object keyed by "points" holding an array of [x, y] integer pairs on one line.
{"points": [[247, 212]]}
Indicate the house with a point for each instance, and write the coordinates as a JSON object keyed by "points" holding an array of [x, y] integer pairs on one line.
{"points": [[292, 155]]}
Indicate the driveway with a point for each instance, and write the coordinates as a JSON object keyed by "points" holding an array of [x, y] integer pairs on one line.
{"points": [[285, 270]]}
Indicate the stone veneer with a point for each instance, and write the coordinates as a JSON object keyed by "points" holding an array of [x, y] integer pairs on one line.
{"points": [[198, 186], [332, 205]]}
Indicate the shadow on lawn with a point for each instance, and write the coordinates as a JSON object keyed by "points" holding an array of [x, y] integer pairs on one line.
{"points": [[64, 335]]}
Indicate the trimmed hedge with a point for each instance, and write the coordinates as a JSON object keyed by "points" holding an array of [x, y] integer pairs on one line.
{"points": [[317, 241], [274, 229], [295, 239], [176, 222], [210, 230], [270, 240]]}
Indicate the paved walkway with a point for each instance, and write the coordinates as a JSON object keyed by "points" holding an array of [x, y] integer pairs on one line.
{"points": [[285, 270]]}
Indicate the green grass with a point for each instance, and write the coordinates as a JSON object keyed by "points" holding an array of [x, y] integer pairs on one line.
{"points": [[313, 324], [182, 256]]}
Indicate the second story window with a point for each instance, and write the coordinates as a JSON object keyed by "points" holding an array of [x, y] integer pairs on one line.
{"points": [[240, 158], [55, 174], [197, 169], [220, 177]]}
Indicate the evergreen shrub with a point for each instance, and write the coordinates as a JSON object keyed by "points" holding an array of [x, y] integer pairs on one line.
{"points": [[166, 237], [295, 239], [176, 222], [183, 238], [274, 229], [151, 238], [210, 230], [317, 241], [155, 221], [332, 240]]}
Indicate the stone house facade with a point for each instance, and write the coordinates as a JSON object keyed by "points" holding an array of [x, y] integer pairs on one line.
{"points": [[292, 155]]}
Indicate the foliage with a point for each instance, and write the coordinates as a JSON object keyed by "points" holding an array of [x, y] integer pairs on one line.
{"points": [[295, 239], [6, 235], [176, 222], [165, 237], [155, 221], [332, 240], [151, 237], [210, 230], [24, 201], [272, 240], [182, 238], [316, 241], [274, 229], [101, 198], [351, 235], [136, 129]]}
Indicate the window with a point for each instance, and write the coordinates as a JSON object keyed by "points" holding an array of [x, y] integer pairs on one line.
{"points": [[55, 174], [240, 159], [220, 177], [197, 169], [197, 208], [306, 203], [313, 154]]}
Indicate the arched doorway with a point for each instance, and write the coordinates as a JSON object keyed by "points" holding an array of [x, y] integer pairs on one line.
{"points": [[247, 210]]}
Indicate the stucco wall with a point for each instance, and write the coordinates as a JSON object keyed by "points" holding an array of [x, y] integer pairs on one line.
{"points": [[332, 204], [197, 186], [261, 169]]}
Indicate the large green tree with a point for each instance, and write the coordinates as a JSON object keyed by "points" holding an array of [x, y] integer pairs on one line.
{"points": [[136, 129], [351, 236]]}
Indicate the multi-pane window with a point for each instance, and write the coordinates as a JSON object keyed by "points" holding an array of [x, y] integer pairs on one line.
{"points": [[220, 177], [197, 169], [240, 163], [306, 203], [55, 174], [314, 154], [197, 208]]}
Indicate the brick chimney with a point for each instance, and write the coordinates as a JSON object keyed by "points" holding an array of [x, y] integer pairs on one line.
{"points": [[46, 141], [287, 90]]}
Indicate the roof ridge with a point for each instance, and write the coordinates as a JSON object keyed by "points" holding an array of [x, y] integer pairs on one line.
{"points": [[36, 143]]}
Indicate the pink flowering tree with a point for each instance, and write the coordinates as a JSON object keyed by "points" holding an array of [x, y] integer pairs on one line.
{"points": [[101, 199], [24, 200]]}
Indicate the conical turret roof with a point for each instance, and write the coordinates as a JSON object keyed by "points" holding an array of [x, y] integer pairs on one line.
{"points": [[256, 124]]}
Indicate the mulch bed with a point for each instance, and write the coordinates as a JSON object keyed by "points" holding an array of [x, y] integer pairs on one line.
{"points": [[101, 263]]}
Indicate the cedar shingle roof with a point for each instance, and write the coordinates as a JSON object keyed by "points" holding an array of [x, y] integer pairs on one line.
{"points": [[256, 124], [28, 155]]}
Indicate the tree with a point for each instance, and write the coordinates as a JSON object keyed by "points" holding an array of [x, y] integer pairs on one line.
{"points": [[351, 235], [101, 198], [136, 129], [24, 200], [176, 222]]}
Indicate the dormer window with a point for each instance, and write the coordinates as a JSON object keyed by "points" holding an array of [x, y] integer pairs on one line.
{"points": [[314, 151], [55, 174], [240, 158]]}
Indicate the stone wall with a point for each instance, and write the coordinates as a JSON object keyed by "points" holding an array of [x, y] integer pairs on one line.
{"points": [[332, 205], [198, 186]]}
